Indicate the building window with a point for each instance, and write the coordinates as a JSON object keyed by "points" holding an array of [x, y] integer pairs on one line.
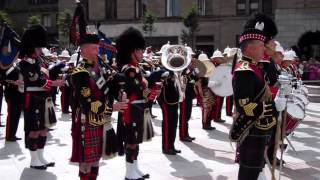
{"points": [[46, 20], [140, 8], [111, 9], [247, 7], [267, 6], [173, 8], [206, 38], [241, 7], [205, 7], [254, 6], [40, 2]]}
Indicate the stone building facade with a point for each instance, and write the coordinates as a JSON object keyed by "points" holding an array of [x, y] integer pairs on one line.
{"points": [[20, 10], [295, 18], [221, 21]]}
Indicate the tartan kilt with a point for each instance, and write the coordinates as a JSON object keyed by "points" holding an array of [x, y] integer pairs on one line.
{"points": [[91, 142]]}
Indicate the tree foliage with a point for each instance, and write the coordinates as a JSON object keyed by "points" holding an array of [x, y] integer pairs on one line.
{"points": [[4, 17], [34, 20], [191, 22], [64, 23], [148, 21]]}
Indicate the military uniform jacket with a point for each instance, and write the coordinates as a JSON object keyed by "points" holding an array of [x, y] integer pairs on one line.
{"points": [[170, 92], [135, 87], [250, 95], [91, 99]]}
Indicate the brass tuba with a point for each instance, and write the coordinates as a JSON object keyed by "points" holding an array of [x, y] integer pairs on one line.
{"points": [[176, 58]]}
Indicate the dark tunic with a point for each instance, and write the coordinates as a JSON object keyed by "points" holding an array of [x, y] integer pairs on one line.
{"points": [[251, 95]]}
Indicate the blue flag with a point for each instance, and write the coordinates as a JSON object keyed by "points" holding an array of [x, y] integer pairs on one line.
{"points": [[9, 46], [106, 46]]}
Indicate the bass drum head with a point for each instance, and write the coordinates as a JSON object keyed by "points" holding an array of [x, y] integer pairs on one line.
{"points": [[304, 90], [222, 75], [303, 98], [296, 109]]}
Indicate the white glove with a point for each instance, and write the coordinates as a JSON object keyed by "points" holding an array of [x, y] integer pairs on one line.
{"points": [[214, 83], [280, 102]]}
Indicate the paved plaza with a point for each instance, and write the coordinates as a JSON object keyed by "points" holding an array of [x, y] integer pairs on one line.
{"points": [[210, 156]]}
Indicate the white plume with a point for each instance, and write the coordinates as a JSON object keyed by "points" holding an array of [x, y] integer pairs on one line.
{"points": [[259, 26]]}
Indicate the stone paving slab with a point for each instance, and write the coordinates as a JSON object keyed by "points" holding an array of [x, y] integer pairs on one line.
{"points": [[209, 157]]}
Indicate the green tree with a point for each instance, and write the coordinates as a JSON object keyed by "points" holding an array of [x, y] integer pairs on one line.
{"points": [[34, 20], [4, 17], [191, 22], [148, 21], [64, 23]]}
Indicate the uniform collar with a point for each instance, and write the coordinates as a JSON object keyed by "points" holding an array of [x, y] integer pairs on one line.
{"points": [[250, 60], [89, 62], [30, 60]]}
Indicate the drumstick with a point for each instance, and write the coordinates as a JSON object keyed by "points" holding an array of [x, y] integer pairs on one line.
{"points": [[274, 156], [282, 138]]}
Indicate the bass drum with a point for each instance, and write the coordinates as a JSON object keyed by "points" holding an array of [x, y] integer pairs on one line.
{"points": [[222, 75], [302, 97], [296, 109]]}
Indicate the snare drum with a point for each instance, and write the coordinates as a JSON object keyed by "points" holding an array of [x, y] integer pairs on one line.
{"points": [[291, 124], [296, 109]]}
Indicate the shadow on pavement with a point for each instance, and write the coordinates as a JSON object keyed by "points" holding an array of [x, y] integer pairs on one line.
{"points": [[183, 166], [33, 174], [211, 154], [10, 148]]}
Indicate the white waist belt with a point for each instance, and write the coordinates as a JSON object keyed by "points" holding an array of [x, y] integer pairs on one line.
{"points": [[138, 101], [35, 89]]}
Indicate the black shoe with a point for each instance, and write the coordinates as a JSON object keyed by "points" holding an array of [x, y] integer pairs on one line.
{"points": [[185, 139], [192, 138], [210, 128], [13, 139], [43, 167], [134, 179], [220, 121], [146, 176], [153, 116], [66, 112], [284, 146], [49, 129], [56, 105], [277, 162], [169, 152], [1, 125], [50, 164], [177, 151]]}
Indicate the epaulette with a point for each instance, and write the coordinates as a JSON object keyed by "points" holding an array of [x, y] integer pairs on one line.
{"points": [[243, 66], [79, 69], [130, 70]]}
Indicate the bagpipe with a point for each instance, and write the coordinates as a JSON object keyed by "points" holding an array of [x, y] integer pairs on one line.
{"points": [[9, 46]]}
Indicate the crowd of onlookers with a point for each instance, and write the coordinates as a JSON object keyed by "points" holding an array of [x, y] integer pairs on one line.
{"points": [[311, 69]]}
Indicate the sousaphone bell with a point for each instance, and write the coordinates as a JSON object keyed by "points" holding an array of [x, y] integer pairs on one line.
{"points": [[175, 58]]}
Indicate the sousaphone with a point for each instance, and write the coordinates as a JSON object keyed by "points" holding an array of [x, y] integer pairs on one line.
{"points": [[175, 58]]}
